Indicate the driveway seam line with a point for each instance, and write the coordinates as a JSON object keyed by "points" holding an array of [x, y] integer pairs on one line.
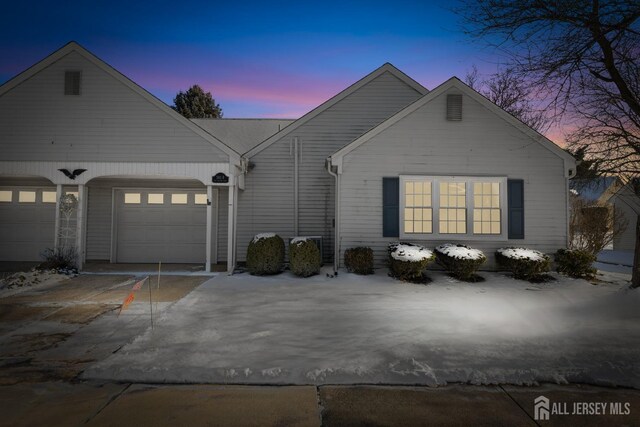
{"points": [[518, 404], [319, 404], [109, 402]]}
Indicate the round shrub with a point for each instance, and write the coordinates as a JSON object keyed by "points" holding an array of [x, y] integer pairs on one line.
{"points": [[265, 254], [575, 263], [408, 261], [461, 261], [304, 257], [359, 260], [525, 264]]}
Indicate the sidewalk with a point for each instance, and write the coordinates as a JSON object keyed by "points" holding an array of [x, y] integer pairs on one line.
{"points": [[111, 404]]}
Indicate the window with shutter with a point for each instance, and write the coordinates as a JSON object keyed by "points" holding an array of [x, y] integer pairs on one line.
{"points": [[391, 207]]}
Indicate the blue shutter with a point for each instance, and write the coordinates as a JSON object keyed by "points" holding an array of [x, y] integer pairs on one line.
{"points": [[515, 196], [391, 207]]}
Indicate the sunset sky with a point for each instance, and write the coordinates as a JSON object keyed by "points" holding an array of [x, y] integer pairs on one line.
{"points": [[259, 59]]}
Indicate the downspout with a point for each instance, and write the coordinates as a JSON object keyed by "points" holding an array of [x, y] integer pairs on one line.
{"points": [[336, 237], [295, 186], [568, 175]]}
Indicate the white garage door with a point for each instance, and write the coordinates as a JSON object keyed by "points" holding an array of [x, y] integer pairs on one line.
{"points": [[27, 222], [154, 225]]}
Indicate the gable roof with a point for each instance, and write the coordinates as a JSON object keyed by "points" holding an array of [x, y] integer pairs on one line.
{"points": [[387, 67], [336, 157], [592, 190], [628, 194], [75, 47], [242, 134]]}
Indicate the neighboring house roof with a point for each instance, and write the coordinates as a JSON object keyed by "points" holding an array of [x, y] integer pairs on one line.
{"points": [[628, 195], [334, 100], [75, 47], [466, 90], [242, 134], [597, 189]]}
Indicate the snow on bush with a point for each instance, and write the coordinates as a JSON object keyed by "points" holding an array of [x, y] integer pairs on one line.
{"points": [[304, 257], [575, 263], [265, 254], [460, 251], [359, 260], [408, 261], [461, 261], [526, 264], [263, 236]]}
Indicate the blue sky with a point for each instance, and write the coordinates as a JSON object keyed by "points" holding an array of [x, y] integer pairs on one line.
{"points": [[259, 59]]}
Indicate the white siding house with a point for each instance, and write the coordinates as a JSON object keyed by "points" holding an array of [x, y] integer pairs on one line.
{"points": [[72, 111], [287, 189], [381, 161], [627, 203], [453, 165]]}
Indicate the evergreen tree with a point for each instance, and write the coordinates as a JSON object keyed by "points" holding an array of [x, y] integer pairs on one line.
{"points": [[195, 103]]}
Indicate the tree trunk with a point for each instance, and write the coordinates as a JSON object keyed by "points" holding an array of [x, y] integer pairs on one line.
{"points": [[635, 278]]}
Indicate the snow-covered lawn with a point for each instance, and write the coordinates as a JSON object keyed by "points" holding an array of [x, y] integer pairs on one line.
{"points": [[374, 329], [615, 261]]}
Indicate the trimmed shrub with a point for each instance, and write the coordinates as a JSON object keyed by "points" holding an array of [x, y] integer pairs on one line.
{"points": [[461, 261], [359, 260], [265, 254], [525, 264], [408, 261], [304, 257], [62, 260], [575, 263]]}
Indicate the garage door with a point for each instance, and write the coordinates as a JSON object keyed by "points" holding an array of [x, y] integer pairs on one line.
{"points": [[160, 225], [27, 222]]}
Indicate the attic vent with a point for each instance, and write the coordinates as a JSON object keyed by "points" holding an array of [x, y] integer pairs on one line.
{"points": [[454, 107], [72, 82]]}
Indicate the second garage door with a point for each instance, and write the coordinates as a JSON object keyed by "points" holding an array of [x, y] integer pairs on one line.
{"points": [[154, 225]]}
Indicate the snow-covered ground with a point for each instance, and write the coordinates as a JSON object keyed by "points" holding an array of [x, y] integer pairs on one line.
{"points": [[374, 329], [615, 261], [23, 281]]}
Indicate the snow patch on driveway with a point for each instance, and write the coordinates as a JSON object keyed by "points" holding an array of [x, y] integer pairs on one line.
{"points": [[373, 329]]}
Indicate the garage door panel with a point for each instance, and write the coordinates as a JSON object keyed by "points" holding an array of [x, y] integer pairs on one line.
{"points": [[132, 216], [26, 229], [160, 232]]}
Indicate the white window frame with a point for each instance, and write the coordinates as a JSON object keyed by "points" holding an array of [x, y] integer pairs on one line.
{"points": [[435, 206]]}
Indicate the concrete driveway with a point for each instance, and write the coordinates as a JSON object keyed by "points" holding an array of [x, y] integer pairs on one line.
{"points": [[56, 331]]}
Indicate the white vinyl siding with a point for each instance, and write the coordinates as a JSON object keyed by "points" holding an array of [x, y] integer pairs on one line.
{"points": [[109, 122], [424, 143], [624, 205], [267, 203]]}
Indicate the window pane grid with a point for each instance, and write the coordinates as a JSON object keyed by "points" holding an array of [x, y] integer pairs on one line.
{"points": [[486, 212], [418, 215], [453, 212]]}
